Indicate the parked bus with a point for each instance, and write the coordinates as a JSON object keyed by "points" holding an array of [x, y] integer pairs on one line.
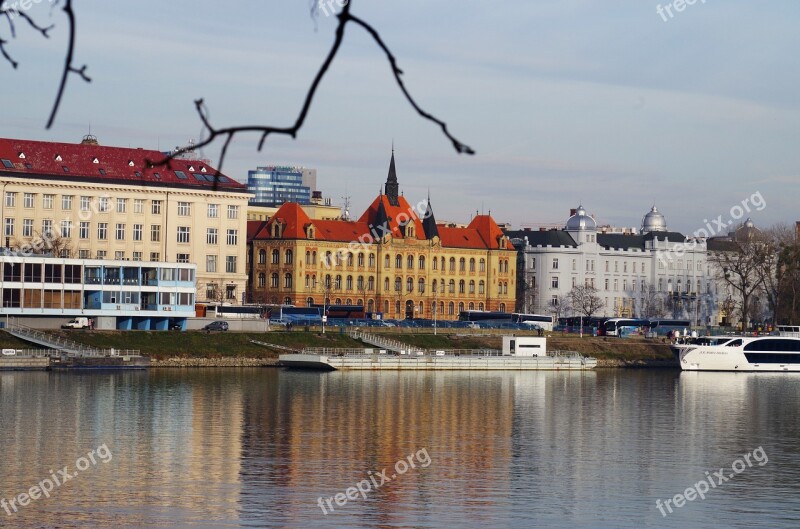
{"points": [[483, 315], [349, 312], [622, 326], [534, 320], [663, 327]]}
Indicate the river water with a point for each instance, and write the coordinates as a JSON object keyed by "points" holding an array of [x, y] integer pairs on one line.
{"points": [[270, 448]]}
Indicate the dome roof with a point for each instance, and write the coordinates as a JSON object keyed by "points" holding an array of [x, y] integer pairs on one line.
{"points": [[580, 221], [653, 221]]}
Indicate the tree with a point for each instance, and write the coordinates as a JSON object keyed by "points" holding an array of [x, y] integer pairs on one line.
{"points": [[560, 306], [585, 300], [652, 302], [740, 265], [780, 270], [17, 10]]}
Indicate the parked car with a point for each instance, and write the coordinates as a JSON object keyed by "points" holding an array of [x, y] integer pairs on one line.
{"points": [[216, 326]]}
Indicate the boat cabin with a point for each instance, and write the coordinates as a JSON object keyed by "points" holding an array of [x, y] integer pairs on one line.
{"points": [[524, 346]]}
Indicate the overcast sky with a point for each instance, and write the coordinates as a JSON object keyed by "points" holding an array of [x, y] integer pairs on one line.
{"points": [[565, 101]]}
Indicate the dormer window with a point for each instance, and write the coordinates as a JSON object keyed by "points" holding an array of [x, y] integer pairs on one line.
{"points": [[202, 169], [130, 163], [410, 230], [191, 168], [95, 160], [58, 158], [22, 156], [310, 231]]}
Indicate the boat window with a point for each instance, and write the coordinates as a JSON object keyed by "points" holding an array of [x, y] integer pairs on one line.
{"points": [[734, 343]]}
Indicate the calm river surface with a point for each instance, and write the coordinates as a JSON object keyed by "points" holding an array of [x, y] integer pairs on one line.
{"points": [[270, 448]]}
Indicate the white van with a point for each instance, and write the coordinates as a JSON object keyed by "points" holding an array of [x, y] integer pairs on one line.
{"points": [[76, 323]]}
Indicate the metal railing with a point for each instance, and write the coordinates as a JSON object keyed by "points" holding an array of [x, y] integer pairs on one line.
{"points": [[59, 343], [380, 341]]}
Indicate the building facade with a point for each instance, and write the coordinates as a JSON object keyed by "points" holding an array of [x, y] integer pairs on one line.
{"points": [[655, 272], [131, 295], [395, 260], [87, 201], [275, 185]]}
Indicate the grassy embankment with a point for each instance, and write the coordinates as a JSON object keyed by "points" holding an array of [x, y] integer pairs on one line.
{"points": [[197, 344]]}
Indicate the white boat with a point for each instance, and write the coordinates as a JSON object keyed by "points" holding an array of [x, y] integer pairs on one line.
{"points": [[518, 354], [740, 353]]}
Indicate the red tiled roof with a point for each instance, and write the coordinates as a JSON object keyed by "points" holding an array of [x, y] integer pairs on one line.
{"points": [[482, 233], [116, 165], [403, 209]]}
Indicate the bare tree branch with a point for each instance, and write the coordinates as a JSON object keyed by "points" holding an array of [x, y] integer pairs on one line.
{"points": [[229, 132], [68, 63]]}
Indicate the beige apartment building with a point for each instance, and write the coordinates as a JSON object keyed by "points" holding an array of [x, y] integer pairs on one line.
{"points": [[93, 202]]}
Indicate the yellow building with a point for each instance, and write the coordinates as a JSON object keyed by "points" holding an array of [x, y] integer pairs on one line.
{"points": [[89, 201], [395, 259]]}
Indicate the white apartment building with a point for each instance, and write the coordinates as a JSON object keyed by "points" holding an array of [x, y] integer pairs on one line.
{"points": [[621, 266]]}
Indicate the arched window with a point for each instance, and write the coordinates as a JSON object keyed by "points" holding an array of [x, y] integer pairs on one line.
{"points": [[398, 261], [371, 305], [471, 306], [386, 284], [443, 264], [502, 307], [452, 286], [398, 284], [350, 259], [287, 300], [461, 307], [360, 258], [348, 301], [360, 302], [482, 265], [308, 257], [441, 307], [462, 265], [262, 280], [434, 284], [410, 284], [480, 306], [276, 257], [421, 308], [397, 308], [472, 265], [313, 257], [472, 287], [461, 287], [422, 262], [289, 257], [338, 301], [273, 281], [481, 287], [328, 283], [360, 283], [328, 259], [309, 302], [451, 309], [386, 306], [386, 263], [287, 281], [338, 284], [421, 285], [372, 260], [349, 283], [262, 257], [410, 262], [370, 283], [435, 264], [452, 264]]}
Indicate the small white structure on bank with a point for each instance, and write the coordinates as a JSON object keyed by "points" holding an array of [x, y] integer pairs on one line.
{"points": [[524, 346]]}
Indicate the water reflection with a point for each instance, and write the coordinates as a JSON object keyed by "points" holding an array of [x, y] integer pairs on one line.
{"points": [[258, 447]]}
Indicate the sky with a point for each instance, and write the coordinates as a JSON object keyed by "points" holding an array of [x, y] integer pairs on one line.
{"points": [[606, 104]]}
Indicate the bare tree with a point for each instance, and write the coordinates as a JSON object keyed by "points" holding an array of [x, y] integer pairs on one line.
{"points": [[11, 12], [560, 306], [585, 300], [652, 302], [741, 266], [779, 268]]}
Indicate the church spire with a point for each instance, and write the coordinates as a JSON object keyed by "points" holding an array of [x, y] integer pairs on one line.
{"points": [[392, 187], [429, 221]]}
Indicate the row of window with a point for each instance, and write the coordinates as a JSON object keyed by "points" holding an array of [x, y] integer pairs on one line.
{"points": [[350, 259], [418, 308], [673, 265], [104, 204], [137, 231]]}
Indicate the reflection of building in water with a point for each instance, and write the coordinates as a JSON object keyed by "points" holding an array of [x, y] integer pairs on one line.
{"points": [[312, 434]]}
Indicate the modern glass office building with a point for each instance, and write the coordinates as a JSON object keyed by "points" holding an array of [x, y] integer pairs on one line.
{"points": [[276, 185]]}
